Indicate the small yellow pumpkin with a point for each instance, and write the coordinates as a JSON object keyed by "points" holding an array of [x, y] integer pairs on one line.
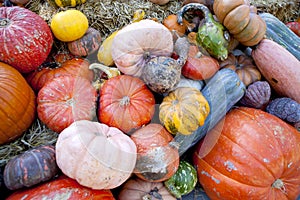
{"points": [[183, 110], [69, 25]]}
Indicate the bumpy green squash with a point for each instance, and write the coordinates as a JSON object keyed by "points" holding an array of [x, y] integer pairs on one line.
{"points": [[222, 91], [281, 34]]}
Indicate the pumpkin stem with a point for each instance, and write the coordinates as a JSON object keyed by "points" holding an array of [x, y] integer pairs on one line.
{"points": [[125, 101], [279, 184], [109, 71], [4, 22]]}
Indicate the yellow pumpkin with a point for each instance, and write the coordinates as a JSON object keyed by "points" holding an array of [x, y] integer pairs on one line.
{"points": [[67, 3], [69, 25], [183, 110]]}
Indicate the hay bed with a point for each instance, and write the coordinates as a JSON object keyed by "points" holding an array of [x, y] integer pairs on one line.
{"points": [[108, 16]]}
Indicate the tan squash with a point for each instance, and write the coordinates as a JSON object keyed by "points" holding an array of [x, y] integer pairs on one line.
{"points": [[279, 67]]}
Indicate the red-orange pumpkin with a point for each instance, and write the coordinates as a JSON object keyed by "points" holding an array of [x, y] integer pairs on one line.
{"points": [[125, 103], [61, 188], [158, 157], [17, 104], [199, 66], [254, 155], [74, 66], [66, 99], [25, 38]]}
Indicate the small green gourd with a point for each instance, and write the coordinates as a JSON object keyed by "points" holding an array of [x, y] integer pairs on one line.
{"points": [[183, 181]]}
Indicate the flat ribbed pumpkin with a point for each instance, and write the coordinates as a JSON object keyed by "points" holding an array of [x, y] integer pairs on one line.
{"points": [[183, 110], [17, 104]]}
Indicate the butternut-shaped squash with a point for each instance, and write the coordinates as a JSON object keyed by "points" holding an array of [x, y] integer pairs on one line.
{"points": [[279, 67]]}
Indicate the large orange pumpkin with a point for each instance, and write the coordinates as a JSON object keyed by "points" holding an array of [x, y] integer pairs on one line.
{"points": [[61, 188], [255, 156], [17, 104]]}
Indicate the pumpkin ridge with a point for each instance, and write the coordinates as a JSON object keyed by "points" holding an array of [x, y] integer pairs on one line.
{"points": [[229, 179], [245, 151]]}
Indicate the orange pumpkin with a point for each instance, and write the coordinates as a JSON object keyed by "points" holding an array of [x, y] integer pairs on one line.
{"points": [[244, 66], [171, 23], [74, 67], [17, 104], [158, 157], [251, 155], [61, 187]]}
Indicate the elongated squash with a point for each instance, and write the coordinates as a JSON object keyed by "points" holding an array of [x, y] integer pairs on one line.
{"points": [[280, 33], [279, 67], [222, 91]]}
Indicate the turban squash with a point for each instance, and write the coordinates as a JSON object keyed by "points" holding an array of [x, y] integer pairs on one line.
{"points": [[241, 20], [253, 155]]}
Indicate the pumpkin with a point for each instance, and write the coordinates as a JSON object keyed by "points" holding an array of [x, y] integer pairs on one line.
{"points": [[157, 156], [257, 95], [244, 66], [294, 26], [137, 189], [171, 23], [34, 166], [241, 20], [252, 155], [279, 67], [66, 99], [285, 108], [74, 67], [183, 181], [17, 104], [137, 43], [26, 39], [199, 66], [87, 44], [61, 188], [69, 25], [104, 53], [183, 110], [96, 155], [125, 103], [66, 3]]}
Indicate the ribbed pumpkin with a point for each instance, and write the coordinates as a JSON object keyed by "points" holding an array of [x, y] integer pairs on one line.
{"points": [[74, 67], [34, 166], [66, 99], [17, 104], [137, 43], [183, 110], [244, 66], [96, 155], [25, 38], [69, 25], [125, 103], [251, 155], [137, 189], [61, 188]]}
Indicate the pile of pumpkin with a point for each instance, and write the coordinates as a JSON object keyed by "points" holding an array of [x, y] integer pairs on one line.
{"points": [[209, 95]]}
